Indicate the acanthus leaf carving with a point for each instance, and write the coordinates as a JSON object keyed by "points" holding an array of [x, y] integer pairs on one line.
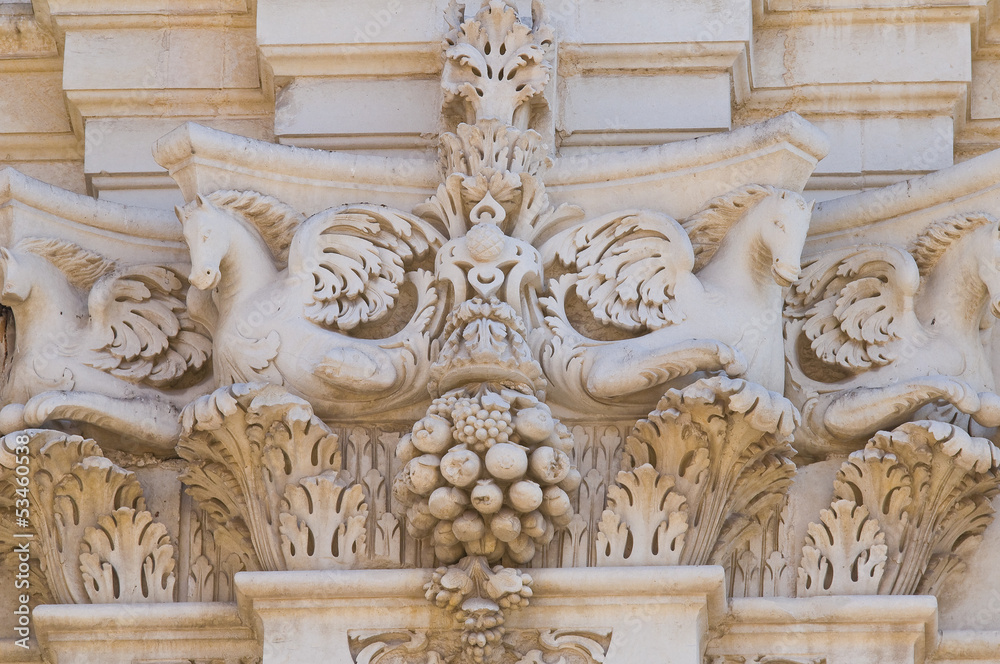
{"points": [[844, 554], [323, 523], [77, 494], [722, 447], [657, 539], [925, 487], [128, 558], [282, 466]]}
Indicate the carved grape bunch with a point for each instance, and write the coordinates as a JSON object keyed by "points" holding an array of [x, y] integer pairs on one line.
{"points": [[487, 473]]}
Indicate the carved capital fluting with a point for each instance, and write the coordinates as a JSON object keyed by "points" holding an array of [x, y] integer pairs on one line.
{"points": [[268, 471], [93, 539], [907, 512]]}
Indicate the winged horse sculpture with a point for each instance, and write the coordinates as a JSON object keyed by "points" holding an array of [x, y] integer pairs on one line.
{"points": [[878, 335], [280, 293], [125, 357], [705, 295]]}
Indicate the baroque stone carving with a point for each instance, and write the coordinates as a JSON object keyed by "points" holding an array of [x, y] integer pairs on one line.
{"points": [[702, 472], [101, 344], [284, 290], [907, 511], [267, 472], [493, 476], [695, 289], [495, 64], [94, 540], [878, 335], [366, 309], [547, 646]]}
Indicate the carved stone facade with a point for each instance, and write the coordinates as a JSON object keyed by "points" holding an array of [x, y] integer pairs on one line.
{"points": [[659, 387]]}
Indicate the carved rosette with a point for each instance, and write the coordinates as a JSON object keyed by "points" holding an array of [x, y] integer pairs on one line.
{"points": [[94, 539], [702, 474], [907, 511], [268, 472]]}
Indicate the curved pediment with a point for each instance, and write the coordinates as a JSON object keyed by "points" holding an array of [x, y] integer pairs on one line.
{"points": [[676, 177]]}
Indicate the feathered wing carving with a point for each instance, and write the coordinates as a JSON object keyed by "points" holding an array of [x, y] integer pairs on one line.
{"points": [[352, 261], [856, 305], [141, 327], [629, 264]]}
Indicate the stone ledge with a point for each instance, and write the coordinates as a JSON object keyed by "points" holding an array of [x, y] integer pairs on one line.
{"points": [[838, 629], [309, 617], [968, 647], [129, 633]]}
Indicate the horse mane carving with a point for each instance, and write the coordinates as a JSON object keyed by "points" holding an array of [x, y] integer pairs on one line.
{"points": [[276, 222], [935, 240], [82, 268], [707, 227]]}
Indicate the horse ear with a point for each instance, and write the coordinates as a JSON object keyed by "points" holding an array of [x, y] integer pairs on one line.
{"points": [[5, 255], [179, 212], [812, 206], [201, 200]]}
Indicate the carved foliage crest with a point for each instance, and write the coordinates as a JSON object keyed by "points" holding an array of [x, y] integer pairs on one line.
{"points": [[710, 463], [907, 511], [269, 471]]}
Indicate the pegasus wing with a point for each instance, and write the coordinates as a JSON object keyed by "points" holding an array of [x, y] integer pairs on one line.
{"points": [[353, 260], [141, 329], [856, 305], [629, 264]]}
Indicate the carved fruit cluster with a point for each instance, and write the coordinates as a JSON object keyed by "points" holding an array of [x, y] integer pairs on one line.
{"points": [[488, 473]]}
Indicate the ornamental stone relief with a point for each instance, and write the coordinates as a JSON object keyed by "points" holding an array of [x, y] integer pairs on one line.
{"points": [[489, 390]]}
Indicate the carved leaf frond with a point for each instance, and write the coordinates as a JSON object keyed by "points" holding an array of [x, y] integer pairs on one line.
{"points": [[725, 444], [323, 523], [645, 521], [128, 558], [845, 554], [246, 445], [929, 486]]}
